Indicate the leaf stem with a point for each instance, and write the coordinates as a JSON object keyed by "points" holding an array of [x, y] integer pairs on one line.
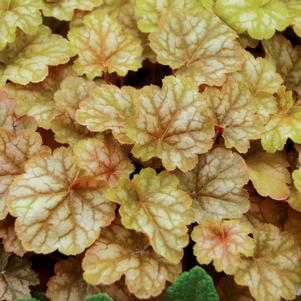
{"points": [[106, 77]]}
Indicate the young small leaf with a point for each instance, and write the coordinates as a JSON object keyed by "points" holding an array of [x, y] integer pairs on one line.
{"points": [[195, 285]]}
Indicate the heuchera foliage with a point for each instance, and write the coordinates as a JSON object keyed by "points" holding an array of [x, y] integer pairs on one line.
{"points": [[140, 139]]}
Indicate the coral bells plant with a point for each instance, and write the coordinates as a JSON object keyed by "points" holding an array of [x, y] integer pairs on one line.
{"points": [[150, 150]]}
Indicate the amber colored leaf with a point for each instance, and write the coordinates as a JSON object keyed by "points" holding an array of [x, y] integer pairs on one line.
{"points": [[263, 81], [287, 60], [284, 124], [120, 252], [55, 207], [64, 9], [273, 212], [16, 277], [171, 123], [27, 59], [269, 174], [15, 150], [215, 185], [150, 11], [108, 107], [10, 241], [37, 100], [294, 199], [293, 224], [72, 91], [274, 271], [102, 159], [253, 216], [67, 130], [22, 14], [198, 44], [8, 117], [152, 204], [97, 53], [223, 243], [235, 110], [67, 284], [228, 290]]}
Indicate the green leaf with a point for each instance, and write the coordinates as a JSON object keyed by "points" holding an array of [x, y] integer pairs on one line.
{"points": [[195, 285], [99, 297]]}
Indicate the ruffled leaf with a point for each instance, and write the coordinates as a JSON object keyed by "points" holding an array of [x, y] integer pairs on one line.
{"points": [[293, 224], [259, 18], [55, 207], [235, 111], [10, 241], [274, 271], [67, 284], [223, 243], [153, 205], [263, 81], [108, 107], [285, 124], [287, 60], [15, 150], [294, 199], [97, 53], [269, 174], [120, 252], [27, 59], [64, 9], [22, 14], [73, 90], [216, 186], [150, 11], [37, 100], [16, 277], [294, 9], [102, 159], [198, 44], [171, 123]]}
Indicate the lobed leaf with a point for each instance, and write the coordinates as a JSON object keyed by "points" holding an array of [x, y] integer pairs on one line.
{"points": [[284, 124], [97, 53], [215, 185], [15, 150], [223, 243], [102, 159], [198, 44], [37, 100], [259, 18], [108, 107], [28, 57], [10, 241], [274, 270], [64, 9], [18, 14], [150, 11], [269, 174], [55, 207], [120, 252], [16, 277], [286, 58], [153, 205], [235, 111], [263, 81], [171, 123]]}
